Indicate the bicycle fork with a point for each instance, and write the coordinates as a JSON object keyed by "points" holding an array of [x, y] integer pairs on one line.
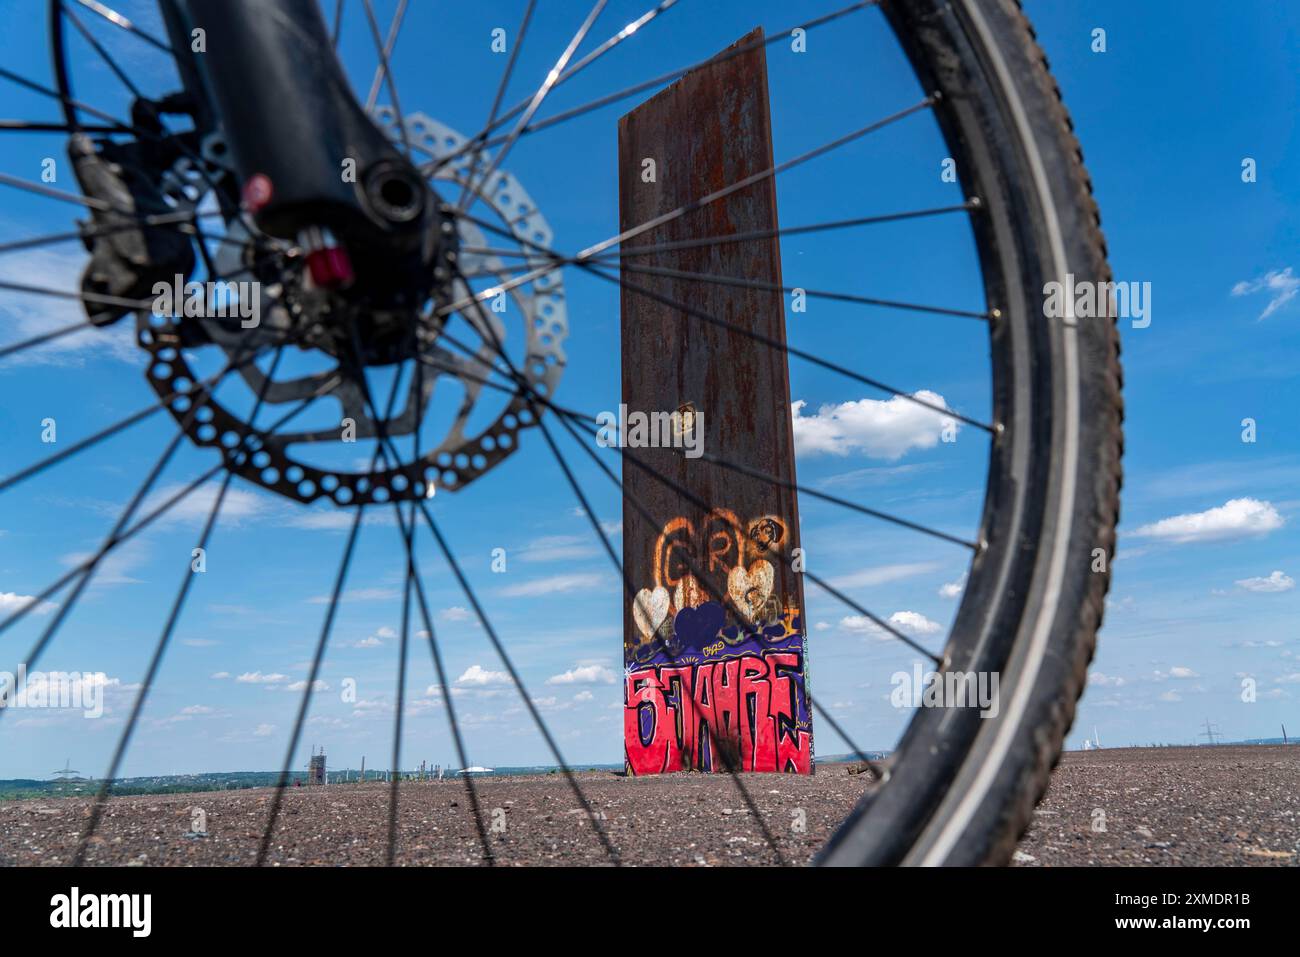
{"points": [[312, 166]]}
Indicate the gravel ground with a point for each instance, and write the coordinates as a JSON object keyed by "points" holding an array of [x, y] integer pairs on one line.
{"points": [[679, 819], [1226, 805]]}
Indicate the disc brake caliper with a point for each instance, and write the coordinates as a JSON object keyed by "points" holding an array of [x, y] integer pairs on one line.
{"points": [[127, 256]]}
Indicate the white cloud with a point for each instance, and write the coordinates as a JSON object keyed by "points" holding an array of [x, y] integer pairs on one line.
{"points": [[1281, 285], [882, 428], [454, 613], [908, 622], [221, 675], [264, 731], [953, 589], [883, 574], [257, 678], [1171, 696], [370, 642], [556, 548], [12, 601], [555, 584], [317, 685], [1178, 671], [1105, 680], [480, 677], [583, 675], [915, 622], [584, 696], [26, 315], [237, 505], [197, 709], [359, 594], [1277, 581], [118, 566], [200, 643], [385, 632], [335, 519], [1236, 518]]}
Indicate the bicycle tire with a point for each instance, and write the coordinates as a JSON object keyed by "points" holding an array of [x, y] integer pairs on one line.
{"points": [[1054, 469]]}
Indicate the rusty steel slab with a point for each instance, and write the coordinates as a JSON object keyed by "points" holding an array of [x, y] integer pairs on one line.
{"points": [[714, 691]]}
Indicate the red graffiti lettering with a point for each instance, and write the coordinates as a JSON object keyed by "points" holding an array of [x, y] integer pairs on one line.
{"points": [[745, 712]]}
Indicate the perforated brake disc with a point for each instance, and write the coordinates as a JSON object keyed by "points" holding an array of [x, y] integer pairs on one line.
{"points": [[290, 307]]}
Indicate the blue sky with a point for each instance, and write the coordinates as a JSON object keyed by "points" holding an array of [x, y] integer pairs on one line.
{"points": [[1166, 115]]}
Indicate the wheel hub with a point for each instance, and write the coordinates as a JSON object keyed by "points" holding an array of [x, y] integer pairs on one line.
{"points": [[358, 325]]}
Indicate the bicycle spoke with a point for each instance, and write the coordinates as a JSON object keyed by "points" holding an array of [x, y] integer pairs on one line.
{"points": [[406, 526], [626, 252], [59, 194], [45, 337], [843, 503], [99, 299], [406, 604], [591, 252], [547, 85], [700, 503], [565, 768], [155, 663], [664, 480], [329, 616], [67, 101], [115, 541], [397, 717], [590, 421], [697, 314], [384, 49], [88, 442], [164, 218], [181, 222], [618, 565], [104, 55], [115, 18], [92, 297], [810, 293], [36, 126], [791, 350], [71, 106], [758, 177], [477, 141], [668, 77], [745, 796], [340, 577], [450, 558], [627, 31], [445, 689], [702, 577], [200, 166], [112, 540]]}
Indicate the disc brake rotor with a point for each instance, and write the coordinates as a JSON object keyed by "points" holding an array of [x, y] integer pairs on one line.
{"points": [[289, 307]]}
